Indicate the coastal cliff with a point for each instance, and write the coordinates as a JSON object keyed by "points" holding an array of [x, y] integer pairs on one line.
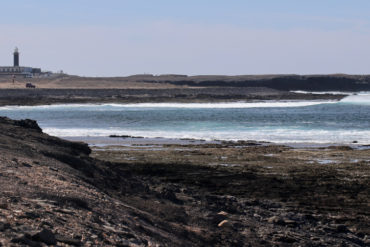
{"points": [[54, 192]]}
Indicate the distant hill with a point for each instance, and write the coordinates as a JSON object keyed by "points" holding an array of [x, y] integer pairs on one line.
{"points": [[334, 82], [337, 82]]}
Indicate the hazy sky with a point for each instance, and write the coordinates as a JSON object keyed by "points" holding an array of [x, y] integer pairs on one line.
{"points": [[124, 37]]}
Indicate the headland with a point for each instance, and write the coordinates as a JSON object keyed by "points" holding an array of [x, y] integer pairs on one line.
{"points": [[60, 88]]}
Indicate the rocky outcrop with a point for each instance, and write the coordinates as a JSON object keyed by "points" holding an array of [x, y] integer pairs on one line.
{"points": [[54, 193], [220, 92]]}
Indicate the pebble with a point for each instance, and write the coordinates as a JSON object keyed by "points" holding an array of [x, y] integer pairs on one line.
{"points": [[224, 223], [275, 220]]}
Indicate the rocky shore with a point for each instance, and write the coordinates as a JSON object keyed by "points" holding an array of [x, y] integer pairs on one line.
{"points": [[210, 94], [56, 192], [176, 88]]}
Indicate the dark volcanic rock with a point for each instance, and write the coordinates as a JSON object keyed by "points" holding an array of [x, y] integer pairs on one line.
{"points": [[218, 93], [26, 123], [29, 124], [68, 197], [45, 236]]}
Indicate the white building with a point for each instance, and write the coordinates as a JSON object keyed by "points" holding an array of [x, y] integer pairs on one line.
{"points": [[18, 70]]}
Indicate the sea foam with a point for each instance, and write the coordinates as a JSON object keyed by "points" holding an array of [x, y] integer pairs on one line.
{"points": [[224, 105], [278, 135], [361, 98]]}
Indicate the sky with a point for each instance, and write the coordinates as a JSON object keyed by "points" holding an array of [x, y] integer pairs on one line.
{"points": [[193, 37]]}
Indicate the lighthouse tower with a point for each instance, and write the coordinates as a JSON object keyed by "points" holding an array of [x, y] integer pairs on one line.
{"points": [[16, 57]]}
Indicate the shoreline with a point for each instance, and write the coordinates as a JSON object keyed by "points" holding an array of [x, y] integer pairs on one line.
{"points": [[117, 141], [32, 97], [215, 194]]}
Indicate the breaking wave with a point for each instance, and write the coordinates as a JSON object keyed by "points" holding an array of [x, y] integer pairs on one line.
{"points": [[280, 135], [231, 105], [361, 99]]}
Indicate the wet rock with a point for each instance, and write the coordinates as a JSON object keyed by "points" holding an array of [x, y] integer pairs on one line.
{"points": [[45, 236]]}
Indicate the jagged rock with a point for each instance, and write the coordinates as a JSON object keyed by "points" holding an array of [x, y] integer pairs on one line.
{"points": [[28, 124], [45, 236]]}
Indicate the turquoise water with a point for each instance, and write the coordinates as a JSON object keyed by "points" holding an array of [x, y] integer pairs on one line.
{"points": [[282, 122]]}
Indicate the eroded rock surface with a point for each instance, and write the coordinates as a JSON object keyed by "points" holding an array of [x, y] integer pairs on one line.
{"points": [[53, 191]]}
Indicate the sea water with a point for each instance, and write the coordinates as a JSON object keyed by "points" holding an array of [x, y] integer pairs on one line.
{"points": [[344, 121]]}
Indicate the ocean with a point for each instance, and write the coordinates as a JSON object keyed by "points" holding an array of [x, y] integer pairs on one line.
{"points": [[342, 122]]}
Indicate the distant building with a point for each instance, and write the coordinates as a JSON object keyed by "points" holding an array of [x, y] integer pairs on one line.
{"points": [[17, 70]]}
